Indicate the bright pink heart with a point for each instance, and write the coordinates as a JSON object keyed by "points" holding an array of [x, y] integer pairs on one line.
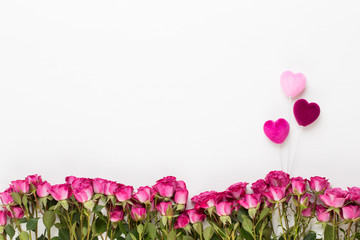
{"points": [[292, 83], [306, 113], [277, 131]]}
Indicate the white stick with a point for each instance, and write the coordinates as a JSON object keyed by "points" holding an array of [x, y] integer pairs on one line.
{"points": [[288, 152], [296, 147], [281, 162]]}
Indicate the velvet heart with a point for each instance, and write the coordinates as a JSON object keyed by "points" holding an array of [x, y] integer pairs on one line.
{"points": [[277, 131], [306, 113], [292, 83]]}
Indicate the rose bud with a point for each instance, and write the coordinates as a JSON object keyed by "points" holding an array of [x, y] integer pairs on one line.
{"points": [[354, 193], [305, 199], [259, 186], [238, 189], [250, 200], [33, 179], [180, 184], [116, 215], [276, 194], [165, 209], [182, 221], [306, 212], [322, 215], [83, 193], [3, 218], [110, 187], [181, 196], [334, 197], [138, 213], [195, 216], [205, 200], [144, 194], [298, 185], [350, 212], [60, 191], [6, 198], [43, 189], [99, 185], [224, 208], [20, 186], [124, 193], [278, 179], [16, 212], [319, 184]]}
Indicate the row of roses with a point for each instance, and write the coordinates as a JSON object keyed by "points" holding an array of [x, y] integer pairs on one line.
{"points": [[84, 208]]}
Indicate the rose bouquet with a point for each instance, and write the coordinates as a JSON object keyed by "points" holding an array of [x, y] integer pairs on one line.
{"points": [[276, 207]]}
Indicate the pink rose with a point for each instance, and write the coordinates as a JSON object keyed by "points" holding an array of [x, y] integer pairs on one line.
{"points": [[354, 193], [124, 193], [138, 213], [319, 184], [224, 208], [278, 179], [43, 189], [334, 197], [165, 189], [116, 215], [17, 212], [276, 193], [182, 221], [205, 200], [350, 212], [99, 185], [60, 191], [250, 200], [144, 194], [110, 187], [305, 199], [69, 179], [181, 196], [259, 186], [195, 216], [306, 212], [6, 198], [298, 185], [3, 218], [83, 192], [33, 179], [164, 208], [180, 184], [238, 189], [322, 215], [20, 186], [78, 182]]}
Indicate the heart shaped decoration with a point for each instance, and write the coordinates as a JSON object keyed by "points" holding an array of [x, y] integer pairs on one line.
{"points": [[292, 83], [306, 113], [277, 131]]}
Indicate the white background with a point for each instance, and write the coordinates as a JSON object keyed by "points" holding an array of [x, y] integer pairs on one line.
{"points": [[137, 90]]}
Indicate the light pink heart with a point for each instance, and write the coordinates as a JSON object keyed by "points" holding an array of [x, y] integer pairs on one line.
{"points": [[292, 83], [277, 131]]}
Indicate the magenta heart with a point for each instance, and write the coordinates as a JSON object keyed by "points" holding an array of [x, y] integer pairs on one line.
{"points": [[277, 131], [306, 113]]}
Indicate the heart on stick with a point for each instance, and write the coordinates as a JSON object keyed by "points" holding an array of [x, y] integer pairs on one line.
{"points": [[306, 113], [277, 131], [292, 83]]}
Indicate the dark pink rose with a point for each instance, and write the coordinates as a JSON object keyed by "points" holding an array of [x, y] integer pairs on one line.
{"points": [[83, 192], [165, 189], [138, 213], [144, 194], [298, 185], [3, 218], [195, 216], [180, 184], [181, 196], [224, 208], [319, 184], [116, 215], [205, 200], [6, 198], [354, 193], [250, 200], [78, 182], [33, 179], [350, 212], [110, 187], [322, 215], [99, 185], [17, 212], [69, 179], [259, 186], [124, 193], [60, 191], [182, 221], [276, 193], [334, 197], [306, 212], [238, 189], [165, 208], [43, 189], [278, 179], [20, 186]]}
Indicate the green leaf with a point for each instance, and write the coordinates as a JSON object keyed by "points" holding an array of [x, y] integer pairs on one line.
{"points": [[89, 205], [151, 230], [187, 238], [32, 224], [208, 232], [246, 235], [140, 229], [100, 225], [247, 225], [264, 213], [328, 233], [16, 197], [55, 238], [64, 204], [98, 208], [24, 201], [171, 235], [252, 212], [10, 231], [24, 236], [64, 234], [2, 237], [242, 214], [22, 220], [198, 227], [49, 219], [310, 236]]}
